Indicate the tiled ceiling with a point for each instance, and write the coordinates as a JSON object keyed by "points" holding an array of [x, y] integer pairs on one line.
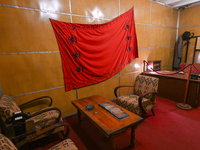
{"points": [[178, 4]]}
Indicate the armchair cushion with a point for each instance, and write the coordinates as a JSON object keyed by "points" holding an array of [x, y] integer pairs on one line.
{"points": [[45, 119], [130, 102], [145, 84]]}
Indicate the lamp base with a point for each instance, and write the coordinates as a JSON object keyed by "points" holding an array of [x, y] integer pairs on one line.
{"points": [[184, 106]]}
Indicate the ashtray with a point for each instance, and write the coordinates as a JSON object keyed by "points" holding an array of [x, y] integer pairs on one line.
{"points": [[89, 107]]}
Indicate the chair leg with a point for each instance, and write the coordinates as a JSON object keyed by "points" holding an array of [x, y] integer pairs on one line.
{"points": [[65, 135], [152, 110]]}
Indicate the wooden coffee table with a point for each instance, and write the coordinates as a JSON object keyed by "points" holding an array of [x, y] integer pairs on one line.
{"points": [[106, 122]]}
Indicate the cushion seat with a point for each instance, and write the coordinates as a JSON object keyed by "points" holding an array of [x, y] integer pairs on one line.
{"points": [[130, 102]]}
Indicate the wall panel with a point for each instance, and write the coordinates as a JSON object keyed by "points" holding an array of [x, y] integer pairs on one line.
{"points": [[96, 9], [174, 18], [195, 30], [105, 89], [189, 22], [169, 68], [141, 9], [50, 5], [61, 99], [127, 80], [142, 35], [173, 37], [171, 56], [157, 18], [30, 60], [129, 67], [197, 57], [85, 20], [190, 54], [159, 36], [159, 54], [27, 31], [30, 72], [189, 17]]}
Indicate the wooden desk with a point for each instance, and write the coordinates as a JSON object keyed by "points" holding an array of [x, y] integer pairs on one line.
{"points": [[106, 122], [173, 87]]}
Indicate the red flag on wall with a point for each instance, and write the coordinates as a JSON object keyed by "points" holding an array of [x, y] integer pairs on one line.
{"points": [[93, 53]]}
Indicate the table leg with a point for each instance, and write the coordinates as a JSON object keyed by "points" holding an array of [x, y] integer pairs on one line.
{"points": [[79, 116], [133, 136], [113, 144]]}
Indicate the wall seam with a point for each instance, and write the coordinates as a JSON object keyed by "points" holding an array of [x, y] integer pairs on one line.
{"points": [[38, 91], [170, 36], [49, 52], [22, 53], [189, 27], [70, 14], [149, 31], [70, 11], [64, 86], [178, 19]]}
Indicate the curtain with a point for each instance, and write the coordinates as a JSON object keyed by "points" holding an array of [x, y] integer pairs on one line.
{"points": [[93, 53]]}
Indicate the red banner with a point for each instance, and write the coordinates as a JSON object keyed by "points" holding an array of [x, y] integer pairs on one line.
{"points": [[93, 53]]}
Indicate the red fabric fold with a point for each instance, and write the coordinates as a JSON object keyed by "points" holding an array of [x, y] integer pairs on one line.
{"points": [[93, 53]]}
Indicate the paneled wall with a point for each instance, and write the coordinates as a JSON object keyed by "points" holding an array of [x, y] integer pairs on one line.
{"points": [[189, 21], [30, 60]]}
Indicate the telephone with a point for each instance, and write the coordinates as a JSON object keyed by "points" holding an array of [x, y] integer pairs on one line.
{"points": [[19, 122], [194, 76]]}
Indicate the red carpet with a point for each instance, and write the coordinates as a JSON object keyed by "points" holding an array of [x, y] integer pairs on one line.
{"points": [[170, 129]]}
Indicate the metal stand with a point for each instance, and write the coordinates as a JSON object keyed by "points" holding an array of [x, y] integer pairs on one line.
{"points": [[183, 105]]}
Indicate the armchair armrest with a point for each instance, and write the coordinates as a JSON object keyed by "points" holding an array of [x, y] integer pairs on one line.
{"points": [[140, 100], [37, 99], [115, 90], [45, 131], [45, 110]]}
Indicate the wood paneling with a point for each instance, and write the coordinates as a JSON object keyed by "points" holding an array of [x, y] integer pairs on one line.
{"points": [[30, 61]]}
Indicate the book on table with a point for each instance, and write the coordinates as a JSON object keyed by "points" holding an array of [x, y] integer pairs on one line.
{"points": [[114, 110]]}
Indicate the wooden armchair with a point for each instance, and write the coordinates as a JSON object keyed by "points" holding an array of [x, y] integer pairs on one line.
{"points": [[47, 121], [143, 98]]}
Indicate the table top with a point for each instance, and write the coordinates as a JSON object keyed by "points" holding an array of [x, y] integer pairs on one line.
{"points": [[103, 119]]}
